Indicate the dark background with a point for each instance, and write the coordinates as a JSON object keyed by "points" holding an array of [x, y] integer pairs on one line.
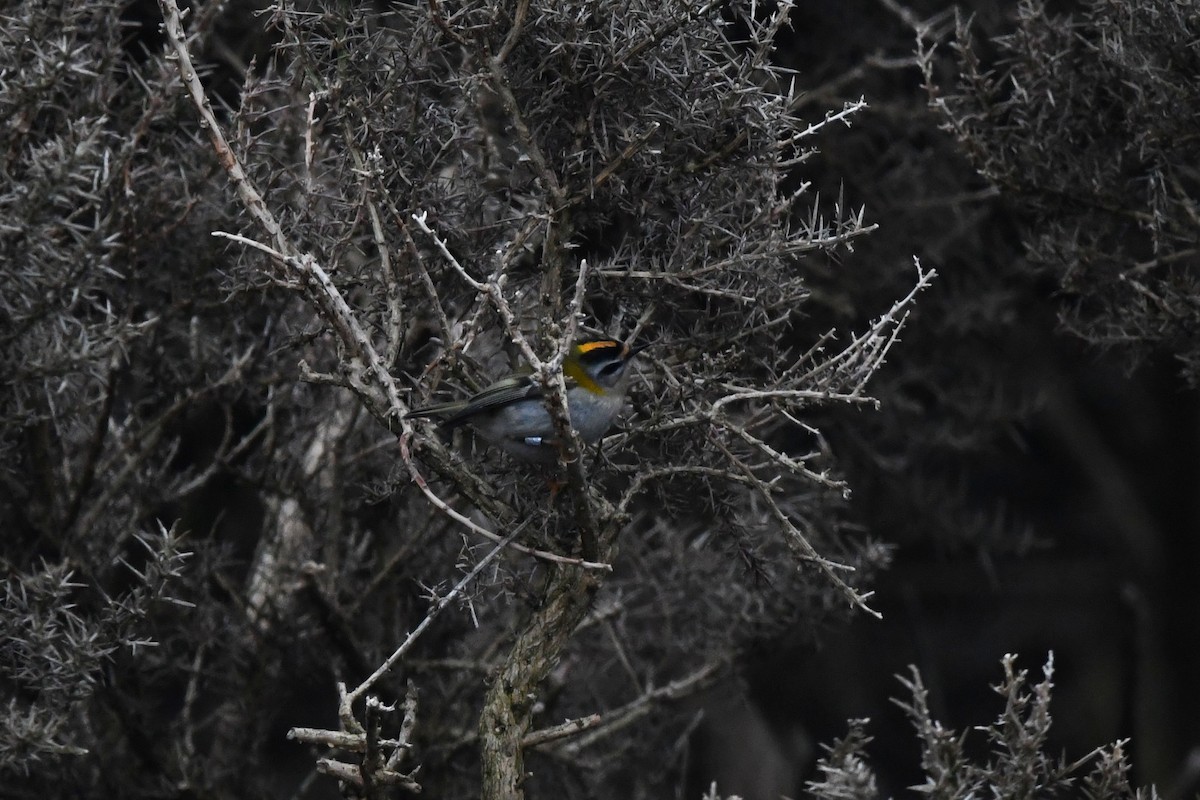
{"points": [[1040, 490]]}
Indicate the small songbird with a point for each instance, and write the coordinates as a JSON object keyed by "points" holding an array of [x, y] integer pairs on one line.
{"points": [[510, 413]]}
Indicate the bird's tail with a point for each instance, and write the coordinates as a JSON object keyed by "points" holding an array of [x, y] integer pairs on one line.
{"points": [[439, 410]]}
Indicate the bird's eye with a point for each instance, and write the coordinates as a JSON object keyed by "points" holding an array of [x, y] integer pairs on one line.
{"points": [[612, 369]]}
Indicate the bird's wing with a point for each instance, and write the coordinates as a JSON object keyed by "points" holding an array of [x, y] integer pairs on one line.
{"points": [[509, 390], [499, 394]]}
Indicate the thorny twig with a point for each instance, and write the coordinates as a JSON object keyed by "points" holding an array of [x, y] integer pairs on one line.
{"points": [[348, 698]]}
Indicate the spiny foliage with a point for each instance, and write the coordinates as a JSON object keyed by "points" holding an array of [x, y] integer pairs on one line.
{"points": [[1016, 763], [1087, 123]]}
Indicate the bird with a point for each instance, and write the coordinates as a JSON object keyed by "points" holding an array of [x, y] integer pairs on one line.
{"points": [[511, 415]]}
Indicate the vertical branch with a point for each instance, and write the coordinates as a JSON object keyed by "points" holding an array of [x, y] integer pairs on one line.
{"points": [[508, 706], [557, 209]]}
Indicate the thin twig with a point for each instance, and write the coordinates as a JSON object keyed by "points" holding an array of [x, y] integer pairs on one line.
{"points": [[514, 33], [437, 609], [797, 540], [554, 733], [611, 168], [622, 717], [441, 505]]}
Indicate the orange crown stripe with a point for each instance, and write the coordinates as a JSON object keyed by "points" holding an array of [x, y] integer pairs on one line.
{"points": [[588, 347]]}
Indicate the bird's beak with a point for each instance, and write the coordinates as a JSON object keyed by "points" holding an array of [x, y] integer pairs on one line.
{"points": [[633, 351]]}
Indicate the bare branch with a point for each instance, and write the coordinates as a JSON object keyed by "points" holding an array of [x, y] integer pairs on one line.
{"points": [[437, 609]]}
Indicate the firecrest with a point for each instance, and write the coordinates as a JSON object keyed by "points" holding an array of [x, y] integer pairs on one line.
{"points": [[510, 413]]}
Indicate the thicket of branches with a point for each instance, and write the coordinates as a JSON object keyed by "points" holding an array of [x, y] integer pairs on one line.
{"points": [[1087, 122], [426, 196], [235, 569]]}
